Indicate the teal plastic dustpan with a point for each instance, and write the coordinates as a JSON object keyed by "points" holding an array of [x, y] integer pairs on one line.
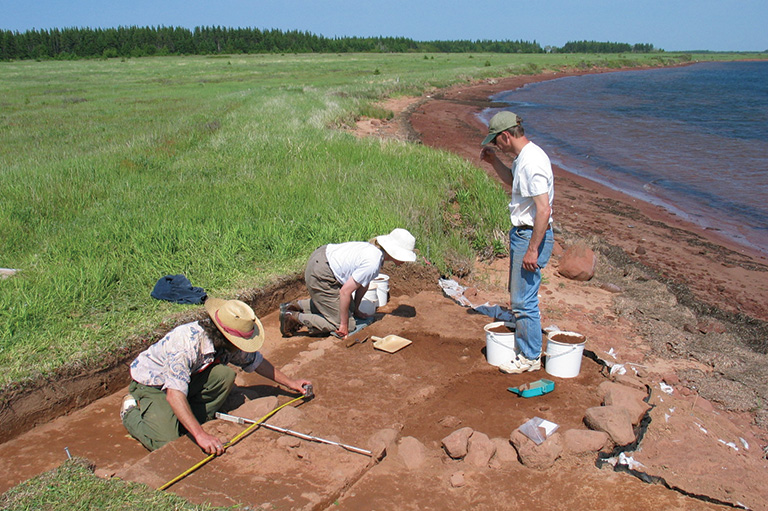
{"points": [[535, 388]]}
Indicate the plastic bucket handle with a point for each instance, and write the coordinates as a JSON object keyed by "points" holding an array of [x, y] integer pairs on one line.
{"points": [[574, 347]]}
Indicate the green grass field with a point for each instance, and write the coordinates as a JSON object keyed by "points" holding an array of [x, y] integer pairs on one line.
{"points": [[72, 486], [228, 169]]}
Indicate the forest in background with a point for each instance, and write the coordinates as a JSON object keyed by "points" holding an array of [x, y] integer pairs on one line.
{"points": [[76, 43]]}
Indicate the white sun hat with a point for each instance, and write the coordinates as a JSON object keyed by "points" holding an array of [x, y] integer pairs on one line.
{"points": [[399, 244]]}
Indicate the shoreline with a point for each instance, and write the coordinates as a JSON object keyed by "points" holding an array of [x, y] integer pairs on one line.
{"points": [[654, 211], [719, 271]]}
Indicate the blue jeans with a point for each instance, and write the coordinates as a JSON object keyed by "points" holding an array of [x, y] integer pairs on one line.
{"points": [[524, 290]]}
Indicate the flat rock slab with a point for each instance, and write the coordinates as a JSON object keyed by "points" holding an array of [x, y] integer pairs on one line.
{"points": [[703, 452], [260, 470]]}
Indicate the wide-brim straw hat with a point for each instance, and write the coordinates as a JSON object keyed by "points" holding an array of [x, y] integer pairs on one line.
{"points": [[237, 321], [399, 244]]}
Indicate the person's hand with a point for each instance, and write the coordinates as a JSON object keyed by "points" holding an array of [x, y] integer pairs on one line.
{"points": [[210, 444], [531, 261], [487, 154], [298, 385], [343, 331]]}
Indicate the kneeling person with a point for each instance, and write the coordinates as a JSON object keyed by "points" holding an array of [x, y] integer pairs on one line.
{"points": [[183, 379]]}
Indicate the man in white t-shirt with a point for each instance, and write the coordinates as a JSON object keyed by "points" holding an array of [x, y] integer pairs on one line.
{"points": [[531, 238], [337, 278]]}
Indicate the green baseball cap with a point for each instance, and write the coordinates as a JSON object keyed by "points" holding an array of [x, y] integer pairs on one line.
{"points": [[500, 122]]}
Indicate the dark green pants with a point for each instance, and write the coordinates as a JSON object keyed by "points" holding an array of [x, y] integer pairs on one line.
{"points": [[153, 422]]}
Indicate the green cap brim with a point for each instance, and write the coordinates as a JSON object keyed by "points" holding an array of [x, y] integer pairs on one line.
{"points": [[489, 138]]}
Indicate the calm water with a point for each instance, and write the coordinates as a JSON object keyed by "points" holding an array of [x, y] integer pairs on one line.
{"points": [[693, 139]]}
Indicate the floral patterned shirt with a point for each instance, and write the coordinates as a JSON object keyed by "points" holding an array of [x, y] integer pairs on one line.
{"points": [[186, 350]]}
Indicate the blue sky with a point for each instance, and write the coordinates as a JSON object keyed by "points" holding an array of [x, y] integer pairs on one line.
{"points": [[718, 25]]}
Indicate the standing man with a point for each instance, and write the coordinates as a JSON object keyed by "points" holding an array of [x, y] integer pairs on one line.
{"points": [[531, 238]]}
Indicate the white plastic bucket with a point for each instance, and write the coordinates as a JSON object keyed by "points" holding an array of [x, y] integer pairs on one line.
{"points": [[370, 301], [564, 351], [382, 288], [500, 347]]}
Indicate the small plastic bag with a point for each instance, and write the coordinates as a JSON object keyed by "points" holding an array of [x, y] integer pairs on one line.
{"points": [[538, 429]]}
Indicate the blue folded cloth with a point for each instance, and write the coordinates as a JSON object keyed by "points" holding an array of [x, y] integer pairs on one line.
{"points": [[178, 289]]}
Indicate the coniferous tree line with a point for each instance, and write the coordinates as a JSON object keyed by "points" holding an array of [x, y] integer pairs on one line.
{"points": [[74, 43], [598, 47]]}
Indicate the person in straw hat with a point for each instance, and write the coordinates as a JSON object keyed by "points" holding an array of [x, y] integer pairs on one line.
{"points": [[337, 278], [183, 379], [530, 239]]}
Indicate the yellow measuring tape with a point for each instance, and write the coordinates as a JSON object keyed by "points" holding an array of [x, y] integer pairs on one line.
{"points": [[228, 444]]}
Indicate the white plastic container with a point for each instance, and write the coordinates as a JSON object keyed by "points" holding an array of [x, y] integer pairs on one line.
{"points": [[500, 347], [382, 288], [564, 351], [370, 301]]}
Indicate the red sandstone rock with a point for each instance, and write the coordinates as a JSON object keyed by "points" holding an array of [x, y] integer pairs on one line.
{"points": [[611, 288], [257, 408], [625, 397], [412, 452], [577, 263], [450, 422], [613, 420], [671, 379], [537, 457], [455, 444], [580, 441], [457, 480], [289, 442], [505, 453], [557, 249], [386, 437], [480, 450], [287, 417], [711, 325], [631, 382]]}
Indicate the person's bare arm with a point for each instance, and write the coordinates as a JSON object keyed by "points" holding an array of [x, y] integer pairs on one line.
{"points": [[345, 299], [488, 155], [180, 406], [267, 370]]}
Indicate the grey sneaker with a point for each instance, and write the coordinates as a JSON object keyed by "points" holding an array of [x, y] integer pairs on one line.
{"points": [[520, 364], [128, 402]]}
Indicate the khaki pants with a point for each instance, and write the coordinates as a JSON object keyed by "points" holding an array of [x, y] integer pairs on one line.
{"points": [[153, 422], [321, 312]]}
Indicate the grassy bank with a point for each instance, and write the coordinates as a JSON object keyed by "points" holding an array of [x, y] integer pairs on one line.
{"points": [[74, 486], [117, 172]]}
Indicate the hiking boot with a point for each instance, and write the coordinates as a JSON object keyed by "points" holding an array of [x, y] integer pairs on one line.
{"points": [[128, 402], [290, 306], [520, 364], [289, 323]]}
